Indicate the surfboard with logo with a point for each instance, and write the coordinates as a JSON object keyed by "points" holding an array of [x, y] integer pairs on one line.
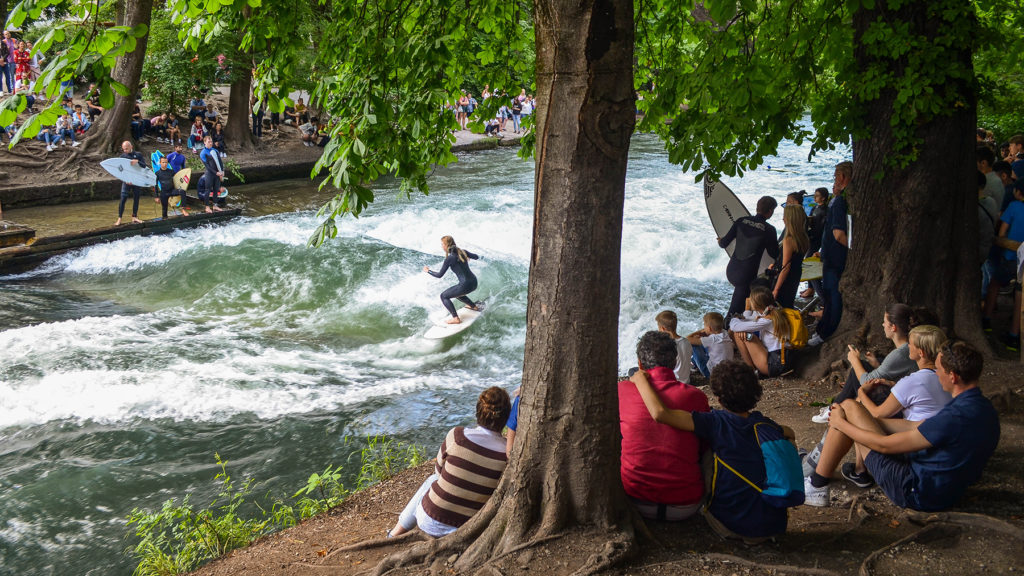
{"points": [[724, 208], [125, 171]]}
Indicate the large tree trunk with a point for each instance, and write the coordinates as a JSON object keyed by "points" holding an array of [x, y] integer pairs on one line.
{"points": [[915, 229], [564, 469], [237, 131], [113, 126]]}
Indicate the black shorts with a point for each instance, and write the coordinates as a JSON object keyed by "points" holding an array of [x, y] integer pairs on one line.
{"points": [[775, 365]]}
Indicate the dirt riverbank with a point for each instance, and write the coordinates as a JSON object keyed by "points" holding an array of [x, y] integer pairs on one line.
{"points": [[860, 533]]}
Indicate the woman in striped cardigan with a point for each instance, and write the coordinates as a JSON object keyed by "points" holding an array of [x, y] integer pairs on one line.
{"points": [[469, 466]]}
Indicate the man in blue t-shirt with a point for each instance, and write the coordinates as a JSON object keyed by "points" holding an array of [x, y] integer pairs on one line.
{"points": [[930, 466], [834, 247]]}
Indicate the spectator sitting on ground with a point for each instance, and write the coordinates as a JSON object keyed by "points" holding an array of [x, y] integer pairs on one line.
{"points": [[661, 470], [158, 127], [64, 128], [196, 136], [712, 345], [301, 113], [79, 120], [493, 128], [196, 108], [469, 465], [897, 321], [667, 323], [173, 131], [917, 396], [92, 102], [323, 136], [51, 136], [735, 509], [927, 465], [67, 104], [764, 353], [138, 123], [307, 133], [218, 138], [210, 117]]}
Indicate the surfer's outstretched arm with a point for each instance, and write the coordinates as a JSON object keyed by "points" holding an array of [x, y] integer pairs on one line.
{"points": [[444, 268]]}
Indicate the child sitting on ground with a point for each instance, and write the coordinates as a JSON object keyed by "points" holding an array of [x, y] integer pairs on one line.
{"points": [[712, 345], [667, 322], [735, 510]]}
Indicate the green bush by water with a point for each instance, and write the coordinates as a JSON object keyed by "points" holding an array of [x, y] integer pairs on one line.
{"points": [[180, 537]]}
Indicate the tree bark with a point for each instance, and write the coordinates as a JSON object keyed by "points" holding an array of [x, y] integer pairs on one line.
{"points": [[237, 131], [564, 468], [914, 229], [114, 124]]}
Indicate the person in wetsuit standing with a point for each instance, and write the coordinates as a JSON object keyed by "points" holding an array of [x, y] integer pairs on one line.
{"points": [[130, 189], [458, 260], [214, 173], [753, 235]]}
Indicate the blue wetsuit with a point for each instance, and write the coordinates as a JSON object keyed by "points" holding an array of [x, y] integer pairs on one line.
{"points": [[467, 281], [211, 160]]}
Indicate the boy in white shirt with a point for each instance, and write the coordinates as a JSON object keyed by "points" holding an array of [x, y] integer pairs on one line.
{"points": [[711, 345], [667, 322]]}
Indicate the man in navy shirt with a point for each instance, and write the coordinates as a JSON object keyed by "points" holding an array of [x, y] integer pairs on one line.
{"points": [[834, 247], [929, 466]]}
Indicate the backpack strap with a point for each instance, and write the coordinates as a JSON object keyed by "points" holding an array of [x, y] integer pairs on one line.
{"points": [[736, 472]]}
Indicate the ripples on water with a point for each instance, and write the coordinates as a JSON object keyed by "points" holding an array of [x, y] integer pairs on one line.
{"points": [[125, 366]]}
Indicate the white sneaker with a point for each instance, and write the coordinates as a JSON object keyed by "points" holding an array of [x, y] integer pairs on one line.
{"points": [[822, 416], [49, 147], [818, 497], [63, 142], [75, 144], [815, 341]]}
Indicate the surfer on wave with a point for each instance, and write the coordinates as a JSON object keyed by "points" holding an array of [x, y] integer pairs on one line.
{"points": [[458, 260]]}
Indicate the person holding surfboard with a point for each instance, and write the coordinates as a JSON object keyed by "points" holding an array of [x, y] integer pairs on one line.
{"points": [[129, 153], [165, 181], [458, 260], [214, 169], [753, 236]]}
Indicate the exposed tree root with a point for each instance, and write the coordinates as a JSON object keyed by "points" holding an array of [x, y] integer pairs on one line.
{"points": [[784, 568], [613, 552], [939, 525], [379, 543], [856, 508], [965, 519]]}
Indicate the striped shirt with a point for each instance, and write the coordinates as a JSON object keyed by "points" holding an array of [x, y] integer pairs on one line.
{"points": [[469, 466]]}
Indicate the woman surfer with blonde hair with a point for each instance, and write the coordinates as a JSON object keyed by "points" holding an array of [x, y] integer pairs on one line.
{"points": [[458, 260]]}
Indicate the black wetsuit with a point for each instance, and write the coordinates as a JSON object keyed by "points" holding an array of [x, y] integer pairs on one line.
{"points": [[126, 188], [753, 235], [467, 281], [165, 179], [211, 160]]}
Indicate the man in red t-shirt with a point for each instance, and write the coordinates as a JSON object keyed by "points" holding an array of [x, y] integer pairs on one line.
{"points": [[660, 465]]}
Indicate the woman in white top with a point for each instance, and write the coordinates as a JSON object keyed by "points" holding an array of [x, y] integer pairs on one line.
{"points": [[919, 396], [764, 352]]}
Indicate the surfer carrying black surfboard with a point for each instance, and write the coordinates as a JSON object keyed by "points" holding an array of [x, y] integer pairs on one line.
{"points": [[753, 235], [458, 260]]}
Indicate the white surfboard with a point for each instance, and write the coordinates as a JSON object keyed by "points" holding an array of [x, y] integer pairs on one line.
{"points": [[123, 170], [724, 208], [440, 329]]}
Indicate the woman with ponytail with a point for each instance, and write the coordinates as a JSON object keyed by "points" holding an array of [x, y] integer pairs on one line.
{"points": [[458, 260], [764, 353]]}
